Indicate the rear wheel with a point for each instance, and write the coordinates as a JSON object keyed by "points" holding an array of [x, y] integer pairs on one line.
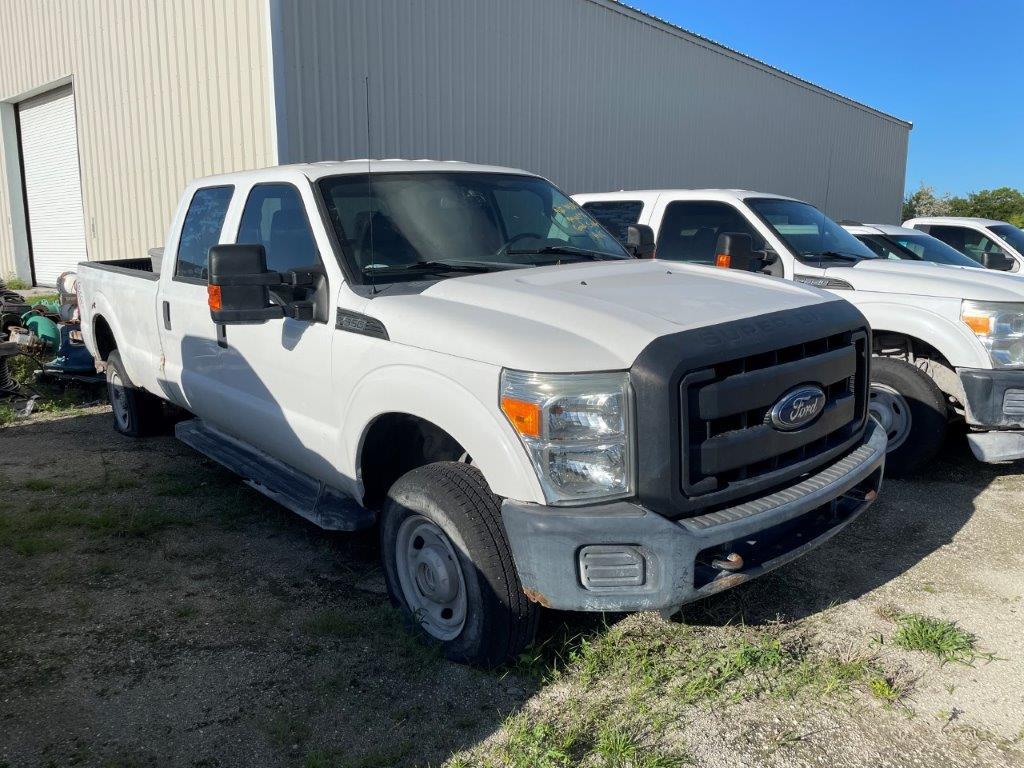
{"points": [[911, 410], [448, 565], [137, 413]]}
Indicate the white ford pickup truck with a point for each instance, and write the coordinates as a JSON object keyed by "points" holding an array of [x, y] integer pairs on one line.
{"points": [[462, 356], [948, 340]]}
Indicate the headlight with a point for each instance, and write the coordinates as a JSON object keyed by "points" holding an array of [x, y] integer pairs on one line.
{"points": [[1000, 327], [576, 428]]}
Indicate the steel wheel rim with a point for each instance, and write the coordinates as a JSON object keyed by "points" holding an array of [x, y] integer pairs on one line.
{"points": [[119, 400], [892, 411], [431, 577]]}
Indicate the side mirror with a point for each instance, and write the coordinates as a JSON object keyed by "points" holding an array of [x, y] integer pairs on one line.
{"points": [[239, 289], [997, 261], [640, 241], [735, 250]]}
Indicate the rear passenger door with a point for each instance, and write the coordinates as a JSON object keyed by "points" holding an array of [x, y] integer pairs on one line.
{"points": [[277, 374], [191, 357]]}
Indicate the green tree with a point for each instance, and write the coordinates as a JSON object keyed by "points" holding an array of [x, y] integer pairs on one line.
{"points": [[924, 202], [1003, 204]]}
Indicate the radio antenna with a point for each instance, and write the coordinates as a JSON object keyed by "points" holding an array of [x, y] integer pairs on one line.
{"points": [[369, 189]]}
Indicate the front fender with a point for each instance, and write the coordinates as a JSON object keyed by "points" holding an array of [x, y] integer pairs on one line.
{"points": [[457, 407], [952, 339]]}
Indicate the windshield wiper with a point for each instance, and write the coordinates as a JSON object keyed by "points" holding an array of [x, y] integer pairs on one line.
{"points": [[840, 255], [441, 266], [567, 250]]}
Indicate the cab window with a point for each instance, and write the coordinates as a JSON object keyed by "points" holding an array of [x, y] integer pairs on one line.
{"points": [[615, 215], [968, 241], [275, 218], [200, 230], [690, 230]]}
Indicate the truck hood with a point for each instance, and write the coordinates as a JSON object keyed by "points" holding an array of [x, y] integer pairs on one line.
{"points": [[579, 317], [927, 279]]}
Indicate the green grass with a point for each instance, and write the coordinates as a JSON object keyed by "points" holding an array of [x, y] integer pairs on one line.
{"points": [[15, 283], [938, 637]]}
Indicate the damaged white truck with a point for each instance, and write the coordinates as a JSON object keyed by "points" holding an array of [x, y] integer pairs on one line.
{"points": [[462, 356]]}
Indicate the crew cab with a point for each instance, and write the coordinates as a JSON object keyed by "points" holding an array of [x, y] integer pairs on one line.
{"points": [[463, 357], [948, 341], [991, 243]]}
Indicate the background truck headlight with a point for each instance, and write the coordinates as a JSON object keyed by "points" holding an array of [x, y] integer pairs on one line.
{"points": [[577, 429], [1000, 327]]}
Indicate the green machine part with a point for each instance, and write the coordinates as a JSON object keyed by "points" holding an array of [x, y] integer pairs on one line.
{"points": [[44, 328]]}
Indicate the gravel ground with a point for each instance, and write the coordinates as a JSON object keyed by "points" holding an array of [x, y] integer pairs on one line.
{"points": [[155, 612]]}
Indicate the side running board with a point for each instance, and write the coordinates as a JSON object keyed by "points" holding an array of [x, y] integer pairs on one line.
{"points": [[317, 502]]}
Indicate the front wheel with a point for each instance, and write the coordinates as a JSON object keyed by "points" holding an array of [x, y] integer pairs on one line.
{"points": [[449, 567], [911, 410]]}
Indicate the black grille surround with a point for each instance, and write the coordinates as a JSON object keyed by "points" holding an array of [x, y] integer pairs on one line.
{"points": [[702, 397]]}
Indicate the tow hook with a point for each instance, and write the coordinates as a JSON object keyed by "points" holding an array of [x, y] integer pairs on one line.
{"points": [[732, 562]]}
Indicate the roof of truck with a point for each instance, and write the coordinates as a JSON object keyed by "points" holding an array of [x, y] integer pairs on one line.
{"points": [[683, 194], [872, 229], [954, 221], [318, 170]]}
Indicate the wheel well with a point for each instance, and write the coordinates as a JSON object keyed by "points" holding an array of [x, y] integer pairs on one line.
{"points": [[105, 343], [922, 356], [396, 443]]}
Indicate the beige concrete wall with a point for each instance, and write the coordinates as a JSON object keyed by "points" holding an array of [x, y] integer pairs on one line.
{"points": [[165, 90]]}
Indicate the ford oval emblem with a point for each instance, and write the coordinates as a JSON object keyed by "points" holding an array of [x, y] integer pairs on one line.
{"points": [[797, 408]]}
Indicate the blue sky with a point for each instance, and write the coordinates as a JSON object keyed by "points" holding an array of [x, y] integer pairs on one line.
{"points": [[954, 69]]}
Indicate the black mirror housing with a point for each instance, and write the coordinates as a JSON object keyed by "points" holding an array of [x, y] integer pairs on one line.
{"points": [[239, 287], [998, 261], [640, 241]]}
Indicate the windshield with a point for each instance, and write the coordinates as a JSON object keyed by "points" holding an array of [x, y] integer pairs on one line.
{"points": [[810, 234], [928, 248], [1012, 235], [410, 223]]}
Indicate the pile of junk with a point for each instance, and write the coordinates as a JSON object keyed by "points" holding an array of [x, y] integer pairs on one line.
{"points": [[48, 332]]}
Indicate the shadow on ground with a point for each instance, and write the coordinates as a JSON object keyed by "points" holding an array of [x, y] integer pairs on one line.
{"points": [[155, 611], [903, 527]]}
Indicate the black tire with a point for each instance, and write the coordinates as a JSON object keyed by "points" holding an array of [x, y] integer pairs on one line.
{"points": [[139, 413], [928, 414], [499, 621]]}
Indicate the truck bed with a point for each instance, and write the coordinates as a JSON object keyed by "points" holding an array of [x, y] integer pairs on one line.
{"points": [[123, 293]]}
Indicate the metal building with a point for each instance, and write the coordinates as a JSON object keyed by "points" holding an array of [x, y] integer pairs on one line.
{"points": [[108, 108]]}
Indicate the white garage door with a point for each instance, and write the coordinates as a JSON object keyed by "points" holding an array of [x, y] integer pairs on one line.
{"points": [[53, 185]]}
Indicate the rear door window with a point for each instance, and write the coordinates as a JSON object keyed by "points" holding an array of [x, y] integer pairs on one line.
{"points": [[200, 230], [690, 230], [615, 215], [275, 218]]}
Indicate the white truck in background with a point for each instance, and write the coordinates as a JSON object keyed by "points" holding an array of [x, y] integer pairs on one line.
{"points": [[948, 341], [994, 244], [888, 241], [462, 356]]}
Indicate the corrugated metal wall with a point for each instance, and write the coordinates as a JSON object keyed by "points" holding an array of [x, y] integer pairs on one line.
{"points": [[591, 94], [166, 90]]}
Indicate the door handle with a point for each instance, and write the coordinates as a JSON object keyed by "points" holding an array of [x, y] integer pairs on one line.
{"points": [[167, 316]]}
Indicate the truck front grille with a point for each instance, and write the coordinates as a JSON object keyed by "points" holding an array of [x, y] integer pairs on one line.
{"points": [[728, 444]]}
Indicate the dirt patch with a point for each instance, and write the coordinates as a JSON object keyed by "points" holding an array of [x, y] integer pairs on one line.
{"points": [[155, 611]]}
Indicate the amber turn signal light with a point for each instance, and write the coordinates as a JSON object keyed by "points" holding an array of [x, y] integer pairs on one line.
{"points": [[723, 260], [525, 417], [213, 297], [980, 324]]}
